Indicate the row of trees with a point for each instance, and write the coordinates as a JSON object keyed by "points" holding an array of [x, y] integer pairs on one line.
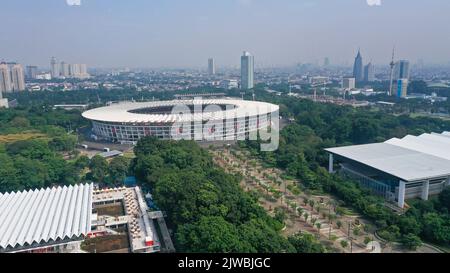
{"points": [[318, 126], [206, 207]]}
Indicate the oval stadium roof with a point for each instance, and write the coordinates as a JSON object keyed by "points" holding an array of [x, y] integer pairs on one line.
{"points": [[121, 112]]}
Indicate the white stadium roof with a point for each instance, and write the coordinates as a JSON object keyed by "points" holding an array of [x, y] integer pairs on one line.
{"points": [[120, 112], [40, 216], [410, 158]]}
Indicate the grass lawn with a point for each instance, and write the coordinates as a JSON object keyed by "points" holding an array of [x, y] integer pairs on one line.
{"points": [[22, 136]]}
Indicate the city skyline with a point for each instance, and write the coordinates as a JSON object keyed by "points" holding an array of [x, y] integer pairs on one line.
{"points": [[177, 34]]}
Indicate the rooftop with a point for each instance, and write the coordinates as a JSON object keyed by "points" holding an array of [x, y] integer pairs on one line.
{"points": [[411, 158], [129, 111], [44, 216]]}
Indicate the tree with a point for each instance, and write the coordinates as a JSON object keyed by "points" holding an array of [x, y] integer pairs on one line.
{"points": [[339, 224], [306, 243], [318, 225], [210, 234], [444, 198], [300, 211], [344, 244], [306, 216], [99, 168], [118, 168], [411, 241], [63, 143]]}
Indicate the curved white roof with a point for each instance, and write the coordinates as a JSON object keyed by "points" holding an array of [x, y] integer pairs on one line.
{"points": [[35, 217], [120, 112]]}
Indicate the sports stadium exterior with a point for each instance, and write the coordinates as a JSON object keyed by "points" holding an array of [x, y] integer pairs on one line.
{"points": [[202, 120]]}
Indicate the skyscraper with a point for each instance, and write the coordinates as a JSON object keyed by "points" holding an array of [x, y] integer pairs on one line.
{"points": [[402, 69], [211, 66], [5, 78], [31, 71], [402, 88], [369, 73], [54, 67], [326, 61], [65, 70], [247, 71], [74, 70], [18, 77], [358, 68]]}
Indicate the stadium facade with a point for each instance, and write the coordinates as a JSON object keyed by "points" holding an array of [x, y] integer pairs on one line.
{"points": [[197, 119], [398, 169]]}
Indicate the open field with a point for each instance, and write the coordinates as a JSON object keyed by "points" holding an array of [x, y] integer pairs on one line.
{"points": [[22, 136]]}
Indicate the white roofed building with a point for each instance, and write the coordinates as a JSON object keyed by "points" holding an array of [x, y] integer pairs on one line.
{"points": [[398, 169], [45, 220]]}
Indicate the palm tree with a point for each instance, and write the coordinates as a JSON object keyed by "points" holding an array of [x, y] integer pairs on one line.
{"points": [[318, 225], [300, 211], [313, 221], [306, 215]]}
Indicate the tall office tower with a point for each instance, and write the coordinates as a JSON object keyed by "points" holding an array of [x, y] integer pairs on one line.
{"points": [[65, 70], [74, 70], [31, 72], [369, 73], [358, 73], [326, 62], [5, 78], [54, 67], [348, 83], [17, 77], [211, 66], [247, 71], [402, 69], [402, 88]]}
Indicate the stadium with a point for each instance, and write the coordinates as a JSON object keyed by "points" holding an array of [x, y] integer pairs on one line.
{"points": [[201, 120]]}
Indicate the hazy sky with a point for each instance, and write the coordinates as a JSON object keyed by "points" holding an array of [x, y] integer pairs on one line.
{"points": [[184, 33]]}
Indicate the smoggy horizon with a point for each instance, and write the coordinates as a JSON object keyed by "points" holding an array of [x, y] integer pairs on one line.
{"points": [[177, 33]]}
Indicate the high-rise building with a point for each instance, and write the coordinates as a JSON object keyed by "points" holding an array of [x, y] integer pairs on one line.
{"points": [[65, 72], [211, 66], [402, 88], [358, 68], [369, 73], [5, 78], [17, 77], [74, 70], [247, 71], [402, 69], [54, 67], [326, 61], [31, 72], [83, 70], [348, 83]]}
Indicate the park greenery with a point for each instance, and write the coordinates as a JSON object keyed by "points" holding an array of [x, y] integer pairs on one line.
{"points": [[206, 207], [318, 126], [37, 149]]}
